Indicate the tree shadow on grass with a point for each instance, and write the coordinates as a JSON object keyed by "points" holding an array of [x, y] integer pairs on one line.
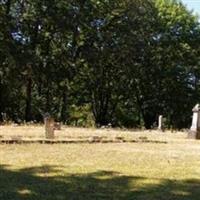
{"points": [[37, 184]]}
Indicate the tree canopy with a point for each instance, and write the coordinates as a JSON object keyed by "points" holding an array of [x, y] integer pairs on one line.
{"points": [[98, 62]]}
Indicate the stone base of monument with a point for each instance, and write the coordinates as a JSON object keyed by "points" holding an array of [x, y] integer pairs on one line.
{"points": [[194, 134], [191, 134]]}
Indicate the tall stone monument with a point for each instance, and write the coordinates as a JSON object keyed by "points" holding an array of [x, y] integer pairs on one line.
{"points": [[194, 131]]}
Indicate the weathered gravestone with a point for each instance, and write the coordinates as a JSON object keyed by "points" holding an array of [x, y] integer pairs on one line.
{"points": [[160, 123], [194, 131], [49, 127]]}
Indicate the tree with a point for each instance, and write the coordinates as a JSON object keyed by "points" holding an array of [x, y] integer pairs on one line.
{"points": [[124, 61]]}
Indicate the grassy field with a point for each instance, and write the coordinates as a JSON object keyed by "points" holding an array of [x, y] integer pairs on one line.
{"points": [[126, 171], [38, 132]]}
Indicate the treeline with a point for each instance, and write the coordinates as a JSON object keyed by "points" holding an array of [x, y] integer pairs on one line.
{"points": [[89, 62]]}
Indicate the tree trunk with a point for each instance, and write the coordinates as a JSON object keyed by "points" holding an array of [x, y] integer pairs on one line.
{"points": [[47, 100], [28, 116], [8, 5], [149, 120], [1, 101], [64, 107], [101, 121]]}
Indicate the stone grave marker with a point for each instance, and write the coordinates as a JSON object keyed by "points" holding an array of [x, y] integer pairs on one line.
{"points": [[194, 131], [49, 127], [160, 123]]}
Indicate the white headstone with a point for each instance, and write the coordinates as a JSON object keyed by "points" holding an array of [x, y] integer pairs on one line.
{"points": [[195, 128], [160, 125]]}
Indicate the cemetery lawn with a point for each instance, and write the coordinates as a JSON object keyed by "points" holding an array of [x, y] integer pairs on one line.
{"points": [[126, 171]]}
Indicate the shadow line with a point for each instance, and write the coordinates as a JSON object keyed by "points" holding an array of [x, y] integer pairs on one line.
{"points": [[36, 184]]}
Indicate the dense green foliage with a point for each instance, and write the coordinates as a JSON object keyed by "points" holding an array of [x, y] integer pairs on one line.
{"points": [[121, 62]]}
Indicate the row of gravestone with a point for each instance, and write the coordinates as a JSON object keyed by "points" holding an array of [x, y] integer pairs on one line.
{"points": [[194, 131]]}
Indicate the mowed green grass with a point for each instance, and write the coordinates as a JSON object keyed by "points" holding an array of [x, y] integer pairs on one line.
{"points": [[137, 171]]}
